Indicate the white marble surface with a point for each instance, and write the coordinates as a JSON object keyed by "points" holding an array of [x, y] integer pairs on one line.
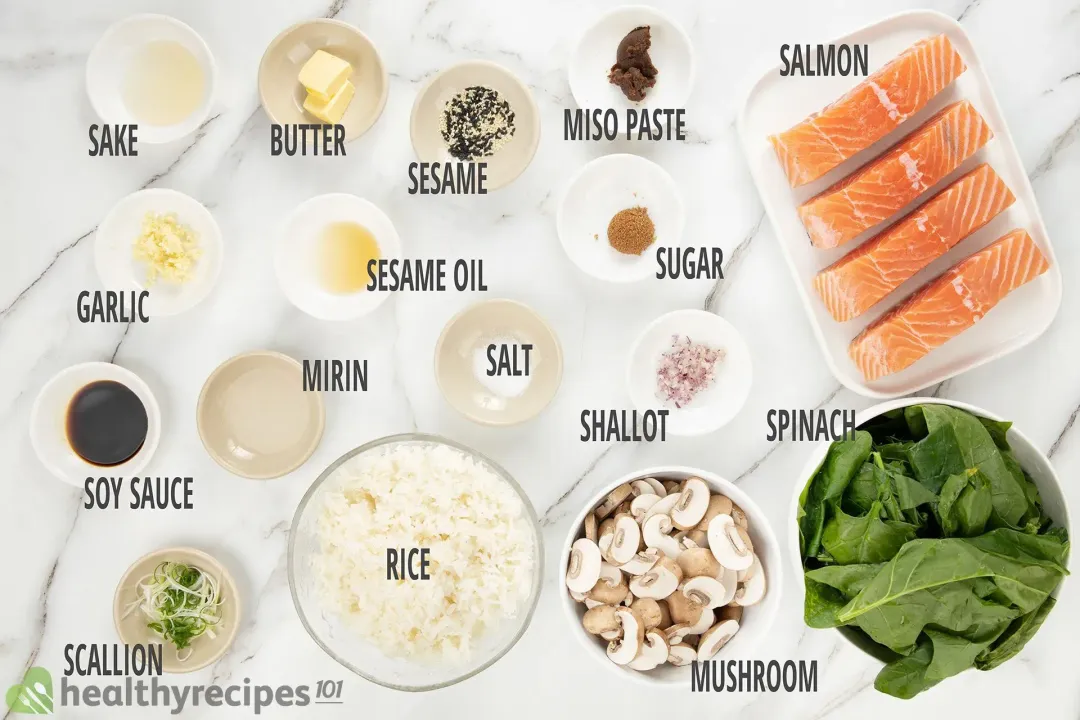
{"points": [[60, 563]]}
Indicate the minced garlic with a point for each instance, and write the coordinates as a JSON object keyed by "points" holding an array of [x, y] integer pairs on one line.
{"points": [[168, 247]]}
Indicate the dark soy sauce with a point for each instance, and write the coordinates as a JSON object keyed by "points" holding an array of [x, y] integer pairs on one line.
{"points": [[106, 423]]}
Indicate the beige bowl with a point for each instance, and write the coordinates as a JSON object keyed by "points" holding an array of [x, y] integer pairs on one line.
{"points": [[511, 159], [133, 630], [470, 331], [254, 418], [281, 93]]}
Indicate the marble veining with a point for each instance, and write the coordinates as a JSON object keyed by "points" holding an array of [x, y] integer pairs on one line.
{"points": [[61, 562]]}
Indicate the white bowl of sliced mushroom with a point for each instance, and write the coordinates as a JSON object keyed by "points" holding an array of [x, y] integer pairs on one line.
{"points": [[668, 566]]}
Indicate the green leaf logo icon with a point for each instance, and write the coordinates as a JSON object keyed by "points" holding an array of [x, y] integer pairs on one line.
{"points": [[34, 695]]}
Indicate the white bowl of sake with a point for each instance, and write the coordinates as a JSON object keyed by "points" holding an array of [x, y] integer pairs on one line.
{"points": [[154, 72]]}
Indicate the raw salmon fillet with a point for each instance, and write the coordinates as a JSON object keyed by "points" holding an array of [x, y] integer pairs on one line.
{"points": [[869, 111], [860, 279], [882, 188], [947, 306]]}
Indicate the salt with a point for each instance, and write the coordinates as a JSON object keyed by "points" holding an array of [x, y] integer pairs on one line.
{"points": [[502, 386]]}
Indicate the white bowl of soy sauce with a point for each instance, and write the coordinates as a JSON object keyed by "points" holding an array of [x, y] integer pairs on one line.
{"points": [[95, 419]]}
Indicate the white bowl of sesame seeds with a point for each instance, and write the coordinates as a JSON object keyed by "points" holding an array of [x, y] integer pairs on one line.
{"points": [[477, 112]]}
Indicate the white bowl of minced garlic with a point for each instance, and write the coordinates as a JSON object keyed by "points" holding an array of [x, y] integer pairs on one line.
{"points": [[161, 241]]}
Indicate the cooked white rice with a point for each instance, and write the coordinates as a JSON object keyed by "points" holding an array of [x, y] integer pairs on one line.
{"points": [[423, 496]]}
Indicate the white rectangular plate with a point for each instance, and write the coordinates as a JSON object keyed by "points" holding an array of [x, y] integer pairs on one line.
{"points": [[776, 103]]}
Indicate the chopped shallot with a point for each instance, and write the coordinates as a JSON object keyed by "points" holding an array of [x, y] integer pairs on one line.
{"points": [[685, 369]]}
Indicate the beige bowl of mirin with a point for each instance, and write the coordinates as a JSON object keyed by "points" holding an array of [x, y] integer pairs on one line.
{"points": [[254, 417], [480, 362]]}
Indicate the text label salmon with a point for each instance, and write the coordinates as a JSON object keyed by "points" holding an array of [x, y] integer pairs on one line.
{"points": [[825, 60]]}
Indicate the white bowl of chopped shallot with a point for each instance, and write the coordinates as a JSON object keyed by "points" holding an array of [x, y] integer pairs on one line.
{"points": [[695, 365]]}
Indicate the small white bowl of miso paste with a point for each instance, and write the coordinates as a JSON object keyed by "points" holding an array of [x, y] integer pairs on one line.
{"points": [[155, 72]]}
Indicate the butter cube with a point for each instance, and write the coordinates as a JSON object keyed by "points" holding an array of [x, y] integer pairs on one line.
{"points": [[324, 75], [330, 111]]}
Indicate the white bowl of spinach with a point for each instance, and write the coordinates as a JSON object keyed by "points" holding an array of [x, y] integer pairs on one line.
{"points": [[935, 539]]}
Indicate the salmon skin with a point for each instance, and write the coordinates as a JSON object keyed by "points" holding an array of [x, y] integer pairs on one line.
{"points": [[947, 306], [859, 280], [882, 188], [869, 111]]}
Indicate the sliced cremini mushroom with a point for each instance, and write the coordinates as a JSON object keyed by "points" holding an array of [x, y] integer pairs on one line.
{"points": [[677, 633], [640, 487], [642, 562], [613, 500], [653, 653], [704, 622], [730, 543], [665, 614], [590, 527], [610, 588], [705, 591], [624, 507], [697, 562], [748, 573], [625, 541], [739, 517], [700, 537], [718, 505], [684, 610], [662, 506], [578, 597], [655, 534], [610, 573], [753, 590], [650, 612], [715, 638], [657, 486], [679, 655], [730, 580], [661, 580], [601, 619], [590, 603], [612, 634], [584, 568], [624, 649], [641, 505], [692, 503], [687, 543], [731, 612], [672, 486]]}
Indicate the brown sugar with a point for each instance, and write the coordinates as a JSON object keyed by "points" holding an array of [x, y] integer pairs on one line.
{"points": [[633, 71], [631, 231]]}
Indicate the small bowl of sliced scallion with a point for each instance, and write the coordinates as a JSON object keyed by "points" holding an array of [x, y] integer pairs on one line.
{"points": [[181, 599]]}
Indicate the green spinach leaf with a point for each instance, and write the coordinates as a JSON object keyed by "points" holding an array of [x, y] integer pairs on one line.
{"points": [[866, 539], [1013, 640], [842, 462], [957, 441], [965, 504], [905, 677]]}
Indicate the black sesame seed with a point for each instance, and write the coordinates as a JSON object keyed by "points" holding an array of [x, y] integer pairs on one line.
{"points": [[476, 123]]}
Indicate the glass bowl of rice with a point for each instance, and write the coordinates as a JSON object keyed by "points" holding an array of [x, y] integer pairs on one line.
{"points": [[484, 561]]}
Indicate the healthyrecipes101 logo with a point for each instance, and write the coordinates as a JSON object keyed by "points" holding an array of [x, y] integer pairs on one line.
{"points": [[32, 696]]}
